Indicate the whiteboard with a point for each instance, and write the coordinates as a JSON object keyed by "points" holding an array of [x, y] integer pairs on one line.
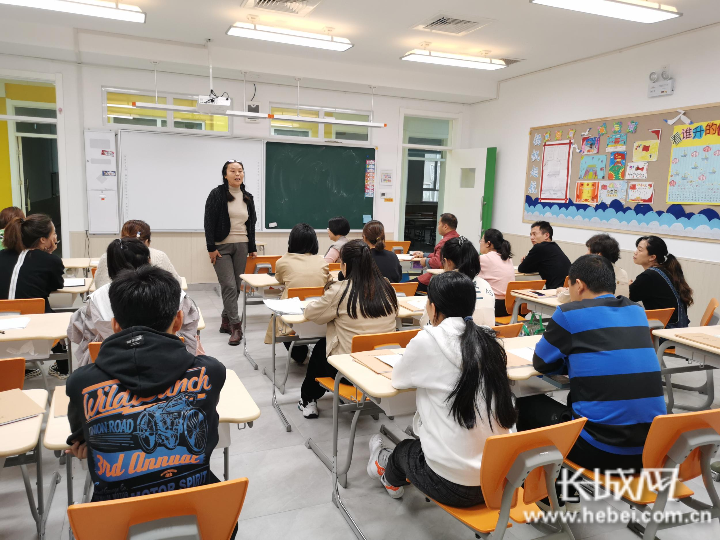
{"points": [[166, 177]]}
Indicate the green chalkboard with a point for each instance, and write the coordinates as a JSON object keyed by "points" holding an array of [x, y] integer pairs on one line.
{"points": [[311, 183]]}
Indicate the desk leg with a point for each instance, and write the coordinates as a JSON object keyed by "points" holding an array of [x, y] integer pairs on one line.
{"points": [[68, 348], [275, 403], [516, 311], [668, 381], [226, 462], [244, 322]]}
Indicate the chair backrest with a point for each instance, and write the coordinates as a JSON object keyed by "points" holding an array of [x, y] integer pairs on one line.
{"points": [[25, 306], [501, 451], [334, 267], [567, 282], [508, 330], [216, 506], [12, 373], [397, 246], [94, 350], [305, 292], [368, 342], [408, 288], [662, 315], [707, 316], [664, 432], [518, 286], [93, 270], [263, 261]]}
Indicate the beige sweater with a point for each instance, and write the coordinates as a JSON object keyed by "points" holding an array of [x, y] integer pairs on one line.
{"points": [[157, 258], [238, 217]]}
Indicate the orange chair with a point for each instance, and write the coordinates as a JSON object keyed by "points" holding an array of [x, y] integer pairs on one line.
{"points": [[567, 282], [216, 507], [676, 442], [12, 373], [518, 470], [661, 315], [262, 264], [93, 270], [334, 267], [508, 330], [510, 299], [27, 306], [94, 350], [408, 288], [397, 246]]}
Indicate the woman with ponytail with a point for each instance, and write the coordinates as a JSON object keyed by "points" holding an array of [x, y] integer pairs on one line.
{"points": [[28, 269], [364, 303], [662, 284], [463, 397], [496, 266], [388, 263], [230, 237]]}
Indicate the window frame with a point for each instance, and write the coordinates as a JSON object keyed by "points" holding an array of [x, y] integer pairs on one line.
{"points": [[321, 125]]}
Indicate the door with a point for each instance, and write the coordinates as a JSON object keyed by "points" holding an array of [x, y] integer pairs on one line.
{"points": [[425, 171], [40, 179], [465, 194]]}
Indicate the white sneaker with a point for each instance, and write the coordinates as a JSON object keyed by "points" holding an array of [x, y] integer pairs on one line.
{"points": [[375, 470], [310, 410]]}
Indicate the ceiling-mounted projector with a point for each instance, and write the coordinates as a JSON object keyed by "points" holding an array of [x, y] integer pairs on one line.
{"points": [[214, 104]]}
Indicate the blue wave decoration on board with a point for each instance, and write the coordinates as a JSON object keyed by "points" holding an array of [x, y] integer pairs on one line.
{"points": [[640, 218]]}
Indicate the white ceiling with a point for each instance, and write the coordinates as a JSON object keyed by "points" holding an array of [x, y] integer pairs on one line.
{"points": [[381, 31]]}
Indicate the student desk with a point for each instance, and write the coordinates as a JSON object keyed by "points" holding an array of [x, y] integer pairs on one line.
{"points": [[384, 397], [518, 276], [543, 305], [234, 407], [77, 263], [42, 327], [20, 445], [79, 290], [183, 285], [703, 356], [253, 281]]}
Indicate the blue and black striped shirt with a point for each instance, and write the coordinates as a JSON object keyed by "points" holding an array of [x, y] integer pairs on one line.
{"points": [[604, 346]]}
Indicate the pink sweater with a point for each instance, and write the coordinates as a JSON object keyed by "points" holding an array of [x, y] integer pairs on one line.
{"points": [[496, 272]]}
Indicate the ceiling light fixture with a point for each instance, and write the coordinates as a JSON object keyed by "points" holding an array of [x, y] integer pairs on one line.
{"points": [[629, 10], [92, 8], [289, 37], [455, 60]]}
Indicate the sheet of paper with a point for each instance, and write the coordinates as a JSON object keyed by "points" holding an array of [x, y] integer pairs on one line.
{"points": [[74, 282], [15, 405], [390, 359], [288, 306], [556, 165], [640, 192], [526, 353], [404, 257], [16, 323], [614, 190], [592, 167], [417, 302]]}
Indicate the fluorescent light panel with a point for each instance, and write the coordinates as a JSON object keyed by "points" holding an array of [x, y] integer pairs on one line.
{"points": [[311, 120], [289, 37], [456, 60], [629, 10], [93, 8]]}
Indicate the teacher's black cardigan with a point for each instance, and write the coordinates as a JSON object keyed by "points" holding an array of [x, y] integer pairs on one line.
{"points": [[217, 218]]}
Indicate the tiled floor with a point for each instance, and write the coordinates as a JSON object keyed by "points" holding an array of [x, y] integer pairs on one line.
{"points": [[289, 493]]}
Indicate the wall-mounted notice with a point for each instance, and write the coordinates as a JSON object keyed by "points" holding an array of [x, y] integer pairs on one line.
{"points": [[555, 178], [615, 190], [370, 178], [694, 165], [640, 192], [386, 178]]}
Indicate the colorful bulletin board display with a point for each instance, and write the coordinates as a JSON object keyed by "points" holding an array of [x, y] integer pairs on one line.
{"points": [[694, 164], [650, 194]]}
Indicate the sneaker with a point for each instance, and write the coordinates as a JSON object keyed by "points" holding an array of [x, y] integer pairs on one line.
{"points": [[376, 470], [55, 372], [32, 373], [310, 410]]}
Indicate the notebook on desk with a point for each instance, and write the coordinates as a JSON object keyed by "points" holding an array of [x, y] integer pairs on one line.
{"points": [[371, 360], [709, 340], [414, 303], [545, 293], [15, 405], [522, 357]]}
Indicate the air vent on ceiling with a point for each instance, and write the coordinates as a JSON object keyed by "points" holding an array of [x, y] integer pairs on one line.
{"points": [[289, 7], [455, 26]]}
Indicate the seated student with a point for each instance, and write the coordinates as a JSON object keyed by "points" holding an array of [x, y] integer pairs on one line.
{"points": [[662, 284], [338, 229], [93, 321], [463, 397], [364, 303], [545, 257], [301, 266], [447, 226], [496, 266], [144, 384], [135, 228], [603, 343], [387, 261], [6, 216], [459, 255], [28, 269]]}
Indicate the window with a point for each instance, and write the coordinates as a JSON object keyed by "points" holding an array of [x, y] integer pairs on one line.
{"points": [[292, 128], [38, 129], [120, 110]]}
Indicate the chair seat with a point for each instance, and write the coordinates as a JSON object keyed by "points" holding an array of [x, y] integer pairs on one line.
{"points": [[680, 490], [347, 391], [522, 510], [507, 319], [479, 518]]}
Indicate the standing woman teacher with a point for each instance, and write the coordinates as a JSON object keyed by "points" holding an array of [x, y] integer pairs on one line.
{"points": [[230, 237]]}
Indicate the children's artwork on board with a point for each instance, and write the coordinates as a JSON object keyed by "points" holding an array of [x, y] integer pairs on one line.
{"points": [[592, 167], [617, 127], [555, 172], [615, 190], [571, 134], [646, 150], [640, 192], [558, 135], [590, 145], [656, 132], [537, 139], [534, 172], [694, 164], [616, 167], [616, 143], [636, 170], [602, 130], [586, 193], [546, 137], [632, 127], [586, 133], [535, 156], [532, 188]]}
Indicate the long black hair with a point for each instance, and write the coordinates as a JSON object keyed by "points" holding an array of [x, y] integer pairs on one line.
{"points": [[367, 286], [670, 265], [303, 240], [463, 254], [498, 242], [126, 253], [230, 196], [484, 362], [26, 233]]}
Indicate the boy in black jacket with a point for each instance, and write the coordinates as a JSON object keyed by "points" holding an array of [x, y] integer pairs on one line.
{"points": [[144, 414]]}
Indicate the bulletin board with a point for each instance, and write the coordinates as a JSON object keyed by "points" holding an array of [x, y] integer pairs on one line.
{"points": [[635, 174]]}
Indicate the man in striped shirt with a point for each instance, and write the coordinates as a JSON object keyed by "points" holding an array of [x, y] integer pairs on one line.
{"points": [[603, 344]]}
